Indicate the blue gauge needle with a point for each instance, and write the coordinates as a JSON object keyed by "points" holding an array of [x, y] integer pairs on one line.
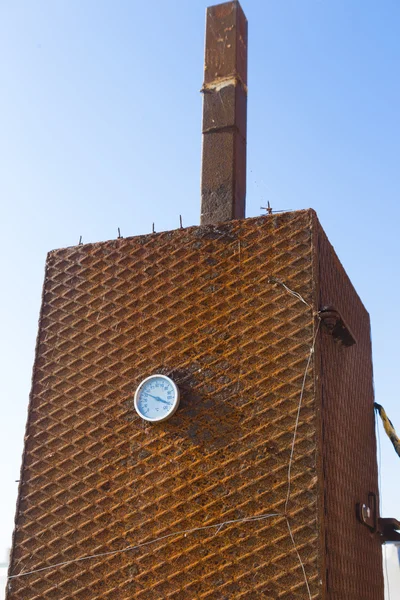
{"points": [[157, 398]]}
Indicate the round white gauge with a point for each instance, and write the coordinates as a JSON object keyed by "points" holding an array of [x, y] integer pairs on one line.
{"points": [[156, 398]]}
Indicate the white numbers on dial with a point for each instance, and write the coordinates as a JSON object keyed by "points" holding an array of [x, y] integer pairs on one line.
{"points": [[156, 398]]}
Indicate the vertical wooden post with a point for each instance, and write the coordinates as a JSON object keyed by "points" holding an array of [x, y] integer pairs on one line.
{"points": [[223, 181]]}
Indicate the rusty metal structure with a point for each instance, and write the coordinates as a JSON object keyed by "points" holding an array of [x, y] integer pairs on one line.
{"points": [[223, 182], [207, 306], [263, 484]]}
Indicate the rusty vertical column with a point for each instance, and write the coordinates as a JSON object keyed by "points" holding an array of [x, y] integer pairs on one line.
{"points": [[223, 181]]}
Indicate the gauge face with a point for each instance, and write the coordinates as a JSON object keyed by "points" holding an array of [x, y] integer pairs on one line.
{"points": [[156, 398]]}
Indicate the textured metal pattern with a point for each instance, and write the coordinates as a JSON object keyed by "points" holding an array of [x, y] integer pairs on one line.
{"points": [[197, 304], [352, 554]]}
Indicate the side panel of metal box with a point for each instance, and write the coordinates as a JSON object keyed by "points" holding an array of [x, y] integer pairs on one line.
{"points": [[347, 443]]}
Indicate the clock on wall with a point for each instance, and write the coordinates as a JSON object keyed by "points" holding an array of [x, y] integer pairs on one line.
{"points": [[156, 398]]}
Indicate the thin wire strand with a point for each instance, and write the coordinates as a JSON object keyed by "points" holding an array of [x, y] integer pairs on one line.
{"points": [[379, 463], [384, 548], [149, 542], [218, 526], [299, 297], [299, 557], [292, 292], [298, 415]]}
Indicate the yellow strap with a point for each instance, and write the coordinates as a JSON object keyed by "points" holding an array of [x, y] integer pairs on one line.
{"points": [[388, 426]]}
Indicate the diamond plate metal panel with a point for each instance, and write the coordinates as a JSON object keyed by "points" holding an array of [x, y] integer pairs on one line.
{"points": [[353, 555], [196, 304]]}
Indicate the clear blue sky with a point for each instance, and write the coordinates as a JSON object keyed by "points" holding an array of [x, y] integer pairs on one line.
{"points": [[100, 120]]}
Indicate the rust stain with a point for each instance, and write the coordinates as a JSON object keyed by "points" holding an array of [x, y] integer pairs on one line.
{"points": [[221, 11]]}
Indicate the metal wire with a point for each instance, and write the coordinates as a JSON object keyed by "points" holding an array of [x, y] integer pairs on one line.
{"points": [[384, 553], [298, 415], [148, 543], [293, 293], [218, 526], [299, 557]]}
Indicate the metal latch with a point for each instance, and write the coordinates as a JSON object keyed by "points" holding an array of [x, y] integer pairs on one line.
{"points": [[336, 326], [387, 528], [368, 513]]}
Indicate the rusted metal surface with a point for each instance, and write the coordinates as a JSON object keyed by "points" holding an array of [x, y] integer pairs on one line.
{"points": [[353, 558], [389, 528], [204, 306], [223, 185], [195, 304]]}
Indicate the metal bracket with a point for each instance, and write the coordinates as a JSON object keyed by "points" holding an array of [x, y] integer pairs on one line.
{"points": [[387, 528], [368, 513], [335, 325]]}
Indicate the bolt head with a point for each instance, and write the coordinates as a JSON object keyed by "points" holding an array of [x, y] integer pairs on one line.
{"points": [[366, 512]]}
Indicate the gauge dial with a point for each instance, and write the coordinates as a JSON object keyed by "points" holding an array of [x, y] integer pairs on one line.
{"points": [[156, 398]]}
